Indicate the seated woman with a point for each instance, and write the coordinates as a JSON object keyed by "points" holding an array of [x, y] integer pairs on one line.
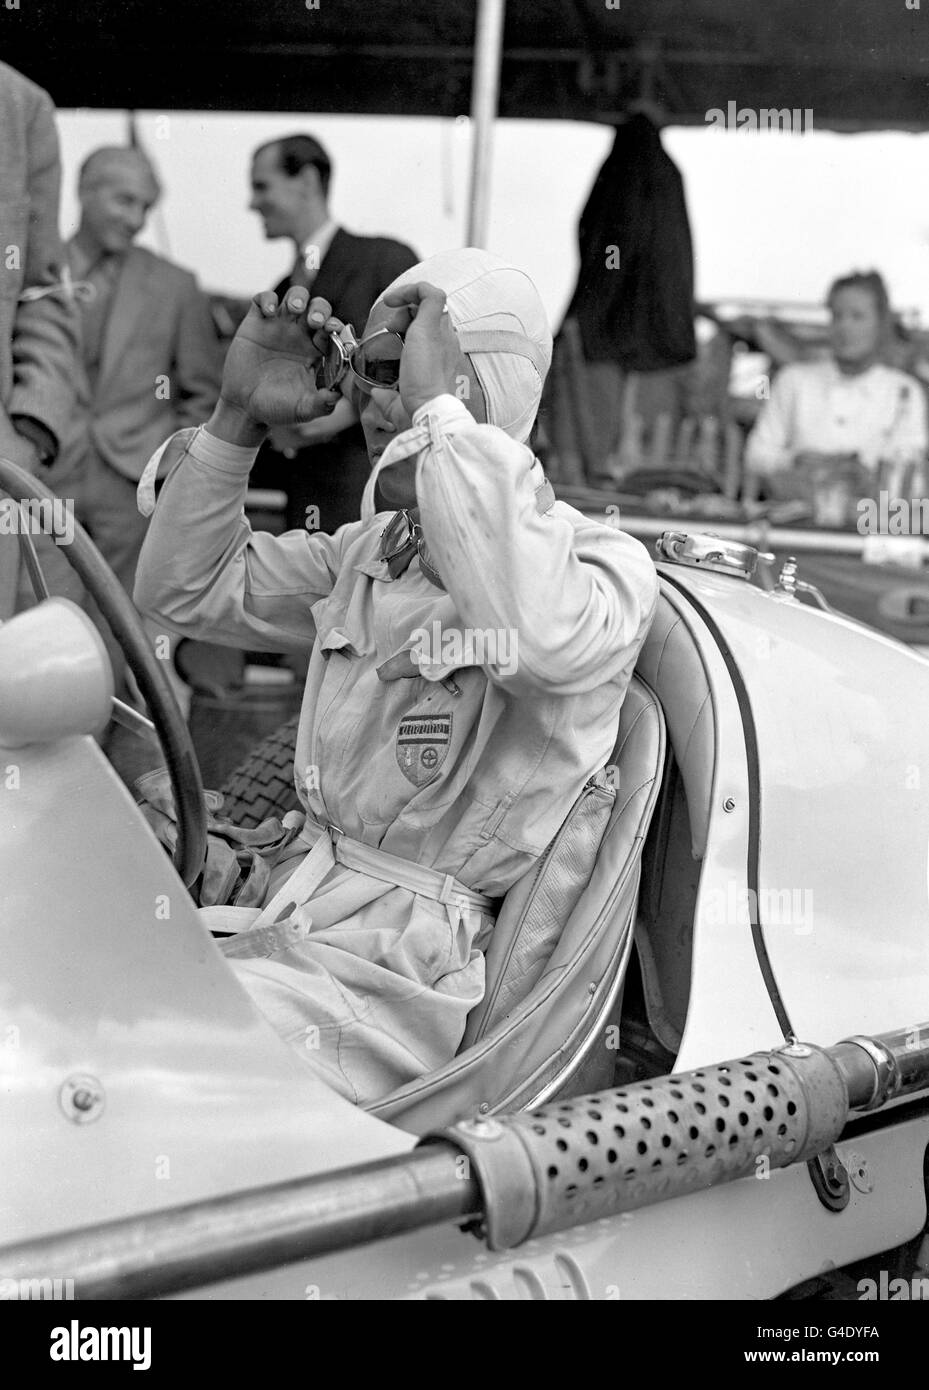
{"points": [[842, 416], [469, 653]]}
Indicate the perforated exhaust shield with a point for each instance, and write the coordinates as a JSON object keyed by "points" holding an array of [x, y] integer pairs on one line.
{"points": [[617, 1150]]}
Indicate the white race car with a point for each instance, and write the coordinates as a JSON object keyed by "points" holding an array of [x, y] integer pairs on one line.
{"points": [[701, 1068]]}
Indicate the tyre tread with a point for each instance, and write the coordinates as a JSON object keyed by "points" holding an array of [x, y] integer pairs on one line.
{"points": [[263, 785]]}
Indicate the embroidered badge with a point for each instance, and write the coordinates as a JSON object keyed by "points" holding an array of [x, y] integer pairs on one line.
{"points": [[422, 743]]}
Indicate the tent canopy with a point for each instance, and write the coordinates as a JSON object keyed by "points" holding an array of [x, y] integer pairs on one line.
{"points": [[856, 64]]}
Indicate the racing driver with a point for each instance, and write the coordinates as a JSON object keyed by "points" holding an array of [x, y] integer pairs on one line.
{"points": [[469, 652]]}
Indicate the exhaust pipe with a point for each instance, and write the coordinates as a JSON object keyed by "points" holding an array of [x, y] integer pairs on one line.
{"points": [[527, 1175], [579, 1160]]}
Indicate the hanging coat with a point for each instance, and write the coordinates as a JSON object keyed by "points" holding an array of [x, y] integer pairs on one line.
{"points": [[634, 299]]}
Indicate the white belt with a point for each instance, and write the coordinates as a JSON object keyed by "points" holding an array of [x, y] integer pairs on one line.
{"points": [[260, 933]]}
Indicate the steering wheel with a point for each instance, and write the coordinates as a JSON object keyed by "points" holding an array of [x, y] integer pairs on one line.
{"points": [[115, 605]]}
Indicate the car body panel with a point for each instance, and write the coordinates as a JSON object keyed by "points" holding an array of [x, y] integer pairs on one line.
{"points": [[844, 808], [108, 972], [723, 1022]]}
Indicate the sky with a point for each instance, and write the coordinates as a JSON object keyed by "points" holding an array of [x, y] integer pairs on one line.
{"points": [[775, 216]]}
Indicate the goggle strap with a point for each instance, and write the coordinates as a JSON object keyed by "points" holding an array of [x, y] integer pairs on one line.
{"points": [[431, 573], [503, 340]]}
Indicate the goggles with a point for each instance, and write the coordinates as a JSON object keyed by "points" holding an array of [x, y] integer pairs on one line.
{"points": [[401, 539], [374, 362], [334, 363]]}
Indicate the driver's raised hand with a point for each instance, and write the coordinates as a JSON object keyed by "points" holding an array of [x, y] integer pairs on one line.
{"points": [[432, 359], [269, 377]]}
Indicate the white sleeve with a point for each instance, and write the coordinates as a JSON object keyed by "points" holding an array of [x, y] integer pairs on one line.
{"points": [[577, 595], [911, 437], [205, 573], [771, 444]]}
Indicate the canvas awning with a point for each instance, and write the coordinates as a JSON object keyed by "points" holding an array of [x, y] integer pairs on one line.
{"points": [[856, 64]]}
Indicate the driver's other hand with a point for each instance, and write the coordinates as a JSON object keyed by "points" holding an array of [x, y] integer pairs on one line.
{"points": [[269, 371], [345, 332], [321, 322], [292, 308]]}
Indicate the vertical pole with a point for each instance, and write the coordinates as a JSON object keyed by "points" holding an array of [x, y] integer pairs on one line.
{"points": [[488, 48]]}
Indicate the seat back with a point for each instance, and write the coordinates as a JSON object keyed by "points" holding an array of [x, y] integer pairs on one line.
{"points": [[672, 664], [556, 961]]}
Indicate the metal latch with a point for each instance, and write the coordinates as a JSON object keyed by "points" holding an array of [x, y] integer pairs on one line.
{"points": [[709, 552]]}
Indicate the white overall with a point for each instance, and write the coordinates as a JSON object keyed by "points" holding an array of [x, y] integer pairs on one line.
{"points": [[461, 768]]}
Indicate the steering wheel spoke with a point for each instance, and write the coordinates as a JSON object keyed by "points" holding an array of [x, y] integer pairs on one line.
{"points": [[31, 559], [135, 722]]}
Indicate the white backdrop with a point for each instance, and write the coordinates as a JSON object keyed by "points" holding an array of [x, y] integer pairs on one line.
{"points": [[774, 215]]}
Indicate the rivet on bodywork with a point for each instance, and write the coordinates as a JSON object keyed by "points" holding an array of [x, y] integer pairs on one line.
{"points": [[481, 1129], [859, 1170], [82, 1098]]}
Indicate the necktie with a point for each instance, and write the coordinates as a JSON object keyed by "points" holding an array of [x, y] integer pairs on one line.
{"points": [[95, 310], [303, 274]]}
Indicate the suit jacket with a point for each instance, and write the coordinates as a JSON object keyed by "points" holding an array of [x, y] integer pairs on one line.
{"points": [[38, 339], [354, 271], [160, 368]]}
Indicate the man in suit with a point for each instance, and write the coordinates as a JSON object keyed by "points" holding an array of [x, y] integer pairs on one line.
{"points": [[149, 359], [38, 324], [149, 351], [290, 180]]}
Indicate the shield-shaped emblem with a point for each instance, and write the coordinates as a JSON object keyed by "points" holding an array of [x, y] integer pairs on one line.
{"points": [[422, 743]]}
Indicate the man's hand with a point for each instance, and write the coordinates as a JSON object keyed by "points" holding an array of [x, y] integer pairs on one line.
{"points": [[432, 357], [269, 377]]}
